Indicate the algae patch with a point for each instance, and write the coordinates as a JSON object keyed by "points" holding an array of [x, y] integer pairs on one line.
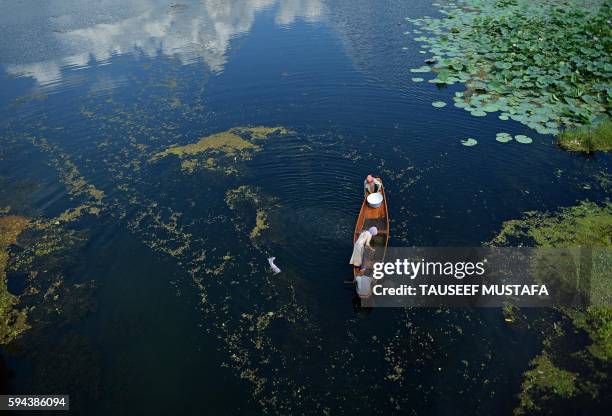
{"points": [[260, 132], [72, 178], [220, 151], [585, 224], [573, 369], [246, 199], [73, 214], [12, 321], [226, 142], [544, 378], [51, 295], [261, 224], [45, 250]]}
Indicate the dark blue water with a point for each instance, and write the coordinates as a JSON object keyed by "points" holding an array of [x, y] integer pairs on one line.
{"points": [[186, 317]]}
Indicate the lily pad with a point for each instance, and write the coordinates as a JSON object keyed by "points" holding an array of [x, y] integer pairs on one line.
{"points": [[478, 113], [439, 104], [503, 137], [469, 142], [533, 76], [490, 108], [521, 138], [417, 79], [423, 69]]}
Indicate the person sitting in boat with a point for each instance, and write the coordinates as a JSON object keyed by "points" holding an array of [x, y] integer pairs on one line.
{"points": [[363, 242], [371, 185]]}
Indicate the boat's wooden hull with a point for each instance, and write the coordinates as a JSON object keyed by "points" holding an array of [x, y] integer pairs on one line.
{"points": [[373, 217]]}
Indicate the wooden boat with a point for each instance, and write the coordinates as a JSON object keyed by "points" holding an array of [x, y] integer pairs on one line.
{"points": [[373, 217]]}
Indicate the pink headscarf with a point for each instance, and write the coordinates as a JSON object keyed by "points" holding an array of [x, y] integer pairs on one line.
{"points": [[373, 231]]}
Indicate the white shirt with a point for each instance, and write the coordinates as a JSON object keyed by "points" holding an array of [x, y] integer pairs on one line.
{"points": [[364, 285]]}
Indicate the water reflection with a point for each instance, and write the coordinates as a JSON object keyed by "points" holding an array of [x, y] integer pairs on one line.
{"points": [[372, 34], [75, 34]]}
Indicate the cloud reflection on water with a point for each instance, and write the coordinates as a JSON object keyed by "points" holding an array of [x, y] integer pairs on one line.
{"points": [[40, 40]]}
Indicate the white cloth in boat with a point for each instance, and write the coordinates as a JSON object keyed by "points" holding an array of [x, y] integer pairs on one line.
{"points": [[359, 248], [364, 286], [370, 188]]}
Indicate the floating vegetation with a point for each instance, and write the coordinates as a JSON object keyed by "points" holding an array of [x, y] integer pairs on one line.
{"points": [[521, 138], [72, 214], [478, 113], [165, 231], [469, 142], [570, 372], [35, 253], [544, 64], [12, 320], [226, 142], [221, 268], [116, 150], [238, 143], [503, 137], [70, 175], [417, 79], [45, 249], [253, 198], [260, 132], [586, 224], [421, 69], [543, 379], [588, 139], [438, 104], [509, 311]]}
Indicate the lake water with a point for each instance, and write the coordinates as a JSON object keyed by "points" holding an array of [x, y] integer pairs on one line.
{"points": [[188, 319]]}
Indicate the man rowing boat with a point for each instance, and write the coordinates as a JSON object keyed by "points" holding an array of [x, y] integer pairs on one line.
{"points": [[371, 185]]}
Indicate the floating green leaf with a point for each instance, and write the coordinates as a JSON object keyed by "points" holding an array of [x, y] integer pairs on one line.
{"points": [[523, 139], [503, 65], [439, 104], [503, 137], [490, 108], [469, 142], [424, 68], [417, 79]]}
